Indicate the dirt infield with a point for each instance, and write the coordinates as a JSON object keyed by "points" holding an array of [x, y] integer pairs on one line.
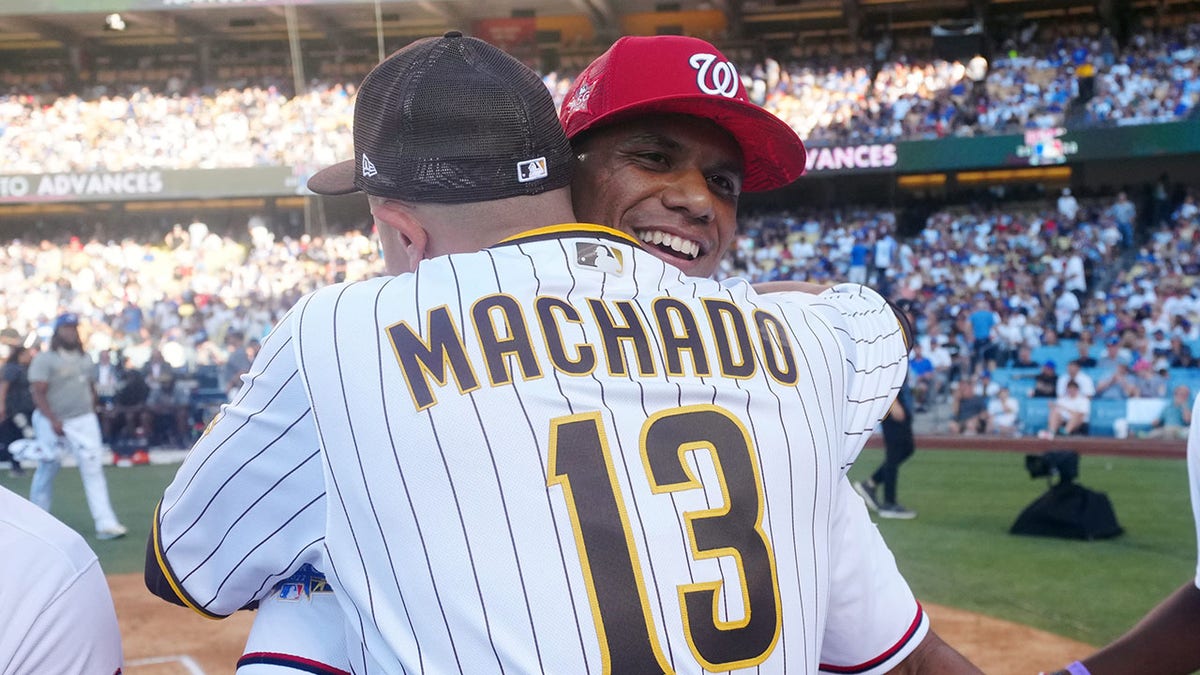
{"points": [[162, 639]]}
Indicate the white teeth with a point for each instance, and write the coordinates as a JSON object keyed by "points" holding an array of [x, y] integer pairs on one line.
{"points": [[671, 241]]}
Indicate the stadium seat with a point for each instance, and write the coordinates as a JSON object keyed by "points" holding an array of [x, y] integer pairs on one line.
{"points": [[1060, 354], [1105, 411], [1188, 376], [1141, 412], [1034, 414]]}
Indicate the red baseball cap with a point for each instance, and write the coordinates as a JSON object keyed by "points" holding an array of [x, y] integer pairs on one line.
{"points": [[688, 76]]}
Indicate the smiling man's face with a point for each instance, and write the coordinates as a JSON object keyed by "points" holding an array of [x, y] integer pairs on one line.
{"points": [[671, 181]]}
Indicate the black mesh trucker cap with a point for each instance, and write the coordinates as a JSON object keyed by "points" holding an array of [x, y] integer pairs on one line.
{"points": [[451, 120]]}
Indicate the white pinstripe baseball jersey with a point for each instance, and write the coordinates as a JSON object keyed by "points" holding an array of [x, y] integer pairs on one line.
{"points": [[559, 455]]}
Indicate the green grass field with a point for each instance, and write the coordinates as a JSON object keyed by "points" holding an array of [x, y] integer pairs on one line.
{"points": [[957, 552]]}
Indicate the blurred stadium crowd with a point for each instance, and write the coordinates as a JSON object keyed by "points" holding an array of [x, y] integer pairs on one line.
{"points": [[1034, 318], [1038, 83], [996, 296]]}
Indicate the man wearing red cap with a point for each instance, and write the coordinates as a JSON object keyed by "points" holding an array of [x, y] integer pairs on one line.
{"points": [[806, 584], [667, 140]]}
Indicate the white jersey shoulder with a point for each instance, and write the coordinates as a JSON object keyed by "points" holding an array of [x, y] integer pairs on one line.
{"points": [[59, 615], [539, 457]]}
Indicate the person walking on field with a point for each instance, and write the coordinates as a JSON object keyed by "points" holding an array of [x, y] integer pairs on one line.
{"points": [[16, 404], [899, 445], [61, 380]]}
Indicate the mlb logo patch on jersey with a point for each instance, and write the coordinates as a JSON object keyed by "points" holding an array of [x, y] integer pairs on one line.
{"points": [[293, 591], [303, 584], [594, 256], [532, 169]]}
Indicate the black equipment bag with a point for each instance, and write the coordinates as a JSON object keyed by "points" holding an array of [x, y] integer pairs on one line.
{"points": [[1069, 511]]}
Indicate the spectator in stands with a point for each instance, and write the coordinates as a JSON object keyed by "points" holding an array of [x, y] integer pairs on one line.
{"points": [[1009, 336], [1066, 314], [1068, 206], [1112, 356], [1148, 383], [1179, 354], [1085, 358], [1158, 344], [985, 386], [126, 424], [1069, 414], [921, 375], [1175, 418], [1119, 384], [981, 325], [943, 363], [1045, 383], [1002, 413], [1024, 358], [858, 258], [166, 409], [237, 362], [968, 409], [884, 259], [1075, 374], [106, 378], [1187, 210], [1124, 212]]}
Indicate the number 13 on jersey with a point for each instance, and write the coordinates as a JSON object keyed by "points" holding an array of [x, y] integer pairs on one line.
{"points": [[582, 464]]}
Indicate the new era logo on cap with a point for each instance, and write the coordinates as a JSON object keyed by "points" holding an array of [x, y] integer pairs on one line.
{"points": [[533, 169], [368, 167]]}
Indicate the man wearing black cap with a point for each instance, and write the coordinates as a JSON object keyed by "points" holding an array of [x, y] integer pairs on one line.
{"points": [[534, 455], [61, 380]]}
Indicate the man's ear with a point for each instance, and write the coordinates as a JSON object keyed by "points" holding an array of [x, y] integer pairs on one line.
{"points": [[411, 236]]}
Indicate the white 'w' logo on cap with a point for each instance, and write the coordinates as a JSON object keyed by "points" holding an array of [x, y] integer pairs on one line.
{"points": [[368, 168], [714, 77]]}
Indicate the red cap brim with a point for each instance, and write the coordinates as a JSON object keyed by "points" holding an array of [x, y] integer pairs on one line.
{"points": [[336, 179]]}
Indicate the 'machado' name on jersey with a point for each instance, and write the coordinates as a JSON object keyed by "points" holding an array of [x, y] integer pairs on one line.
{"points": [[740, 341]]}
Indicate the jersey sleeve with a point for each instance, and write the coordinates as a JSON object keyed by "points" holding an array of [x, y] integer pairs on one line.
{"points": [[247, 506], [875, 345], [75, 632], [874, 622]]}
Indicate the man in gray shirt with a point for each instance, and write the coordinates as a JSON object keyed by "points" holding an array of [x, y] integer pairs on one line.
{"points": [[61, 380]]}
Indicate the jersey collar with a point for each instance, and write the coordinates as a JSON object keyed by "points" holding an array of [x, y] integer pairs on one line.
{"points": [[570, 230]]}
